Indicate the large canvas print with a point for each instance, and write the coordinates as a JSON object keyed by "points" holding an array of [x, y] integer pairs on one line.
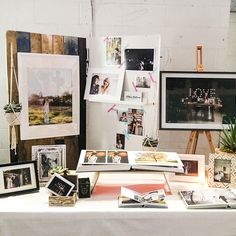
{"points": [[193, 100], [49, 93]]}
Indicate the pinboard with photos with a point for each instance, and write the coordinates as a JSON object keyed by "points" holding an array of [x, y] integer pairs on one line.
{"points": [[122, 87]]}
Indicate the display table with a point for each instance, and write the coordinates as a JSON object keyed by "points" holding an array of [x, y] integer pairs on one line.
{"points": [[30, 215]]}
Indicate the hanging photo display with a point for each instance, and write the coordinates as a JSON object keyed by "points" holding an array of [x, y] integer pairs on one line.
{"points": [[139, 59], [135, 121], [113, 50]]}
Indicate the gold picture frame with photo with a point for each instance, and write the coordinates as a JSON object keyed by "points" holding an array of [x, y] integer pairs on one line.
{"points": [[222, 169]]}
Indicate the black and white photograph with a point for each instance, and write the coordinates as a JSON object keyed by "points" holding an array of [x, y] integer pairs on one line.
{"points": [[135, 121], [191, 100], [113, 50], [17, 178], [120, 141], [123, 115], [48, 156], [143, 82], [139, 59], [222, 171], [59, 186]]}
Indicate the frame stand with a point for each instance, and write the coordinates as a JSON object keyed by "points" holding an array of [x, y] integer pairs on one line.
{"points": [[193, 139]]}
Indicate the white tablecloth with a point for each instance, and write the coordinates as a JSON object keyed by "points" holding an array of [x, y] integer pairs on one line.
{"points": [[30, 215]]}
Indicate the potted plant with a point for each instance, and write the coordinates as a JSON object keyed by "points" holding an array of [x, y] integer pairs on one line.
{"points": [[150, 144], [59, 170], [12, 113], [228, 139]]}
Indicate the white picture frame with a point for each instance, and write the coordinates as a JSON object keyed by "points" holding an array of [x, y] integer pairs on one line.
{"points": [[104, 84], [49, 94], [59, 186], [196, 166], [47, 157]]}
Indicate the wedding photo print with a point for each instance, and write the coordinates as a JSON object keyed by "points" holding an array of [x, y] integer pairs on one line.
{"points": [[139, 59], [48, 156], [122, 115], [221, 171], [120, 141], [143, 82], [135, 121], [191, 100], [113, 50], [18, 178], [93, 157], [117, 157]]}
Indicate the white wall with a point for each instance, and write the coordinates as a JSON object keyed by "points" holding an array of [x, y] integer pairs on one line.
{"points": [[182, 24], [63, 17]]}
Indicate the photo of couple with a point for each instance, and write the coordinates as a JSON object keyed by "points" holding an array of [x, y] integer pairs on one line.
{"points": [[103, 84]]}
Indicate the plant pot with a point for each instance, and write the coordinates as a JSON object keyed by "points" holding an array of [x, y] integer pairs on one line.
{"points": [[13, 118]]}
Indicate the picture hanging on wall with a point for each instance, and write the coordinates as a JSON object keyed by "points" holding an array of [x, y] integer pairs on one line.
{"points": [[192, 100], [49, 93], [122, 115], [135, 121], [139, 59], [104, 84], [48, 156], [113, 50]]}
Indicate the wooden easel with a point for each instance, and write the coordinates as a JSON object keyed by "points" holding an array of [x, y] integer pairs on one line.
{"points": [[193, 138]]}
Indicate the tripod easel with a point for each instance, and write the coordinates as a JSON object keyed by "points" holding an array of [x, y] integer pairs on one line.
{"points": [[193, 138]]}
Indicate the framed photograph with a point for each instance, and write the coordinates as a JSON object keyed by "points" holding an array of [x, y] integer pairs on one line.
{"points": [[139, 59], [194, 169], [135, 121], [49, 93], [48, 156], [18, 178], [113, 51], [59, 186], [193, 100], [104, 84], [222, 168]]}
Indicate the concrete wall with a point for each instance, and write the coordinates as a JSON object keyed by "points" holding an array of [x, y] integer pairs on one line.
{"points": [[63, 17]]}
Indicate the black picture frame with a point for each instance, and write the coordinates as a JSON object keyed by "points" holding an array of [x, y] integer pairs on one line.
{"points": [[191, 100], [18, 178]]}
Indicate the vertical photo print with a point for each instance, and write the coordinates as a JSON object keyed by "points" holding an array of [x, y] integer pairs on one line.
{"points": [[135, 121], [139, 59], [49, 93], [122, 116], [120, 141], [113, 50]]}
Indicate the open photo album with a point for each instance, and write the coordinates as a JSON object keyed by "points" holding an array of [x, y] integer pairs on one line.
{"points": [[154, 199], [209, 198], [114, 160]]}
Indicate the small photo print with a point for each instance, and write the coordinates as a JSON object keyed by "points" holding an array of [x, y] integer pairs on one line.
{"points": [[93, 157], [139, 59], [16, 178], [222, 170], [190, 168], [59, 186], [135, 121], [123, 116], [113, 51], [143, 82], [117, 157], [104, 84], [120, 141]]}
